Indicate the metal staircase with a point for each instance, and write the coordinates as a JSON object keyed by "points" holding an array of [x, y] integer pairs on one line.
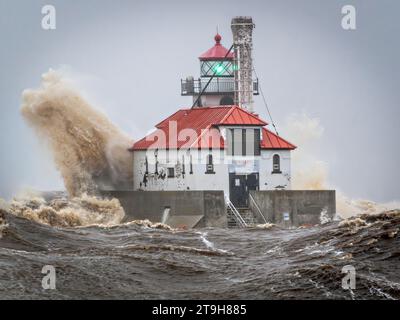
{"points": [[248, 216], [235, 220], [242, 217]]}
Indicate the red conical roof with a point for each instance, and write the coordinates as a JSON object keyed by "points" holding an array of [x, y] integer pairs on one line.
{"points": [[217, 52]]}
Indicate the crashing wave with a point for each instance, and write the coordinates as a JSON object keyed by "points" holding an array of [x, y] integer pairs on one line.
{"points": [[88, 150], [148, 224], [80, 211]]}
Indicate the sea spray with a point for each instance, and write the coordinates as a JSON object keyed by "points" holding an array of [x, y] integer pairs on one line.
{"points": [[88, 150], [324, 217], [310, 173], [3, 223]]}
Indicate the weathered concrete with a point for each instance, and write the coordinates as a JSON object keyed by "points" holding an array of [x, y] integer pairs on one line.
{"points": [[301, 207], [206, 207]]}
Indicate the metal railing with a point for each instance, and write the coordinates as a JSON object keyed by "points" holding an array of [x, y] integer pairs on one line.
{"points": [[239, 219], [190, 87], [257, 207]]}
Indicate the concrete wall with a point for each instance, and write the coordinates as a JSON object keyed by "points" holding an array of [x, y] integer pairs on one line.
{"points": [[301, 207], [185, 207]]}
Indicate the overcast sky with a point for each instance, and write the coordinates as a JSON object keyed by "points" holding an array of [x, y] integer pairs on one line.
{"points": [[130, 56]]}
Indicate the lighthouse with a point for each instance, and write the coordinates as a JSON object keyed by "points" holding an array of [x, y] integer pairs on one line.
{"points": [[225, 74], [216, 142]]}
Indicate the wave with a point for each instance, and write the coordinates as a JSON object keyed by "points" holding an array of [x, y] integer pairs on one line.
{"points": [[3, 224], [88, 150], [79, 211]]}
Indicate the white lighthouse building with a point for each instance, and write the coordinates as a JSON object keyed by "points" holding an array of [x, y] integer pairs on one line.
{"points": [[217, 143]]}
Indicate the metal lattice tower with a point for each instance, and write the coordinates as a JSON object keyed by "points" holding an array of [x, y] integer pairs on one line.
{"points": [[242, 30]]}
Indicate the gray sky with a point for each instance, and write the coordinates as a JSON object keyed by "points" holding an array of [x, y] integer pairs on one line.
{"points": [[131, 55]]}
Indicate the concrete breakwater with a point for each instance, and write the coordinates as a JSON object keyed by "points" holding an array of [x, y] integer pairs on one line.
{"points": [[196, 209]]}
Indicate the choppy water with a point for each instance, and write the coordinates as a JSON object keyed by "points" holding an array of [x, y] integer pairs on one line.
{"points": [[136, 262]]}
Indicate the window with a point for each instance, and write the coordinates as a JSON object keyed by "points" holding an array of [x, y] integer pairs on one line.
{"points": [[210, 164], [257, 142], [229, 140], [171, 172], [237, 142], [226, 101], [276, 164], [243, 142], [146, 165], [156, 158], [219, 68]]}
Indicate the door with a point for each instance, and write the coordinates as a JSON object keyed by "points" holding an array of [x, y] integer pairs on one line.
{"points": [[239, 186], [252, 182]]}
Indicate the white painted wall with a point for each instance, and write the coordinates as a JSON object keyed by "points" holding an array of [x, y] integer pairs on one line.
{"points": [[269, 180], [211, 100], [199, 180]]}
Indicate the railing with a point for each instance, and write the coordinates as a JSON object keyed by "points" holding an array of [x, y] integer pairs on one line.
{"points": [[258, 209], [240, 221], [190, 87]]}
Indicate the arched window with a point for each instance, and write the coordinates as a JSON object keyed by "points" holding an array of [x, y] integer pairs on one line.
{"points": [[210, 164], [276, 164], [226, 101]]}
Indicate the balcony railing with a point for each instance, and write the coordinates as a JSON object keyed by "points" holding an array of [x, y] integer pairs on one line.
{"points": [[191, 87]]}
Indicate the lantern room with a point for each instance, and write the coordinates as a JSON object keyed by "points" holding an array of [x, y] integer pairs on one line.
{"points": [[217, 61], [216, 85]]}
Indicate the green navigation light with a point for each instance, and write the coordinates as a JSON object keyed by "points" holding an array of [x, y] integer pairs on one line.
{"points": [[218, 69]]}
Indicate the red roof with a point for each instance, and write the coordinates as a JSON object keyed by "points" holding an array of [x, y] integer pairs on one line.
{"points": [[197, 128], [217, 52], [272, 141]]}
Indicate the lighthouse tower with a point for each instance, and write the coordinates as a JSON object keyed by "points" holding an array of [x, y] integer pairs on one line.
{"points": [[218, 82]]}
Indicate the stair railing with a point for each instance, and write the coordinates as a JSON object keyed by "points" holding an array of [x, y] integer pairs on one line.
{"points": [[239, 219], [258, 209]]}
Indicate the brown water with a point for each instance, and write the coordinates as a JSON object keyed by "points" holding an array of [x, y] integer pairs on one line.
{"points": [[144, 261]]}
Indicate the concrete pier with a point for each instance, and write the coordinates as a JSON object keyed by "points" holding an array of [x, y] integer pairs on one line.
{"points": [[289, 208], [190, 209]]}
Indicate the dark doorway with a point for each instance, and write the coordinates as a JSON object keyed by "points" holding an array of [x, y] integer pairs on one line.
{"points": [[239, 186], [226, 101]]}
